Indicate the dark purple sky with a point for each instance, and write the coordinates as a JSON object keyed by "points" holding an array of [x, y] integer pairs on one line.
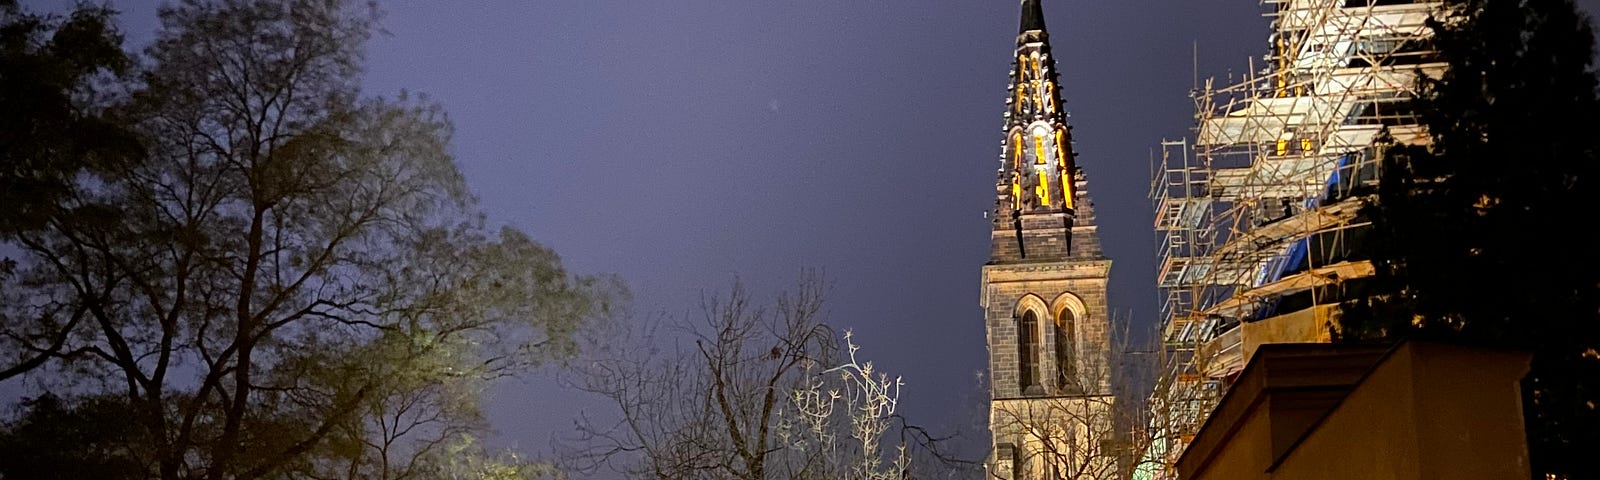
{"points": [[682, 143], [679, 144]]}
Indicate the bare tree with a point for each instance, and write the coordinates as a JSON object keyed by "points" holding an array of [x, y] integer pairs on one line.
{"points": [[707, 405], [744, 391], [466, 459], [1092, 434], [1068, 436], [1165, 419], [855, 399], [1170, 416]]}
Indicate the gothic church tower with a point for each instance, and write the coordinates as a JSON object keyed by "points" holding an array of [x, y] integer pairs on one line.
{"points": [[1044, 287]]}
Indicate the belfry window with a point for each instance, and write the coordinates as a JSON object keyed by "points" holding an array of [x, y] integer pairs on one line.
{"points": [[1028, 350], [1066, 340]]}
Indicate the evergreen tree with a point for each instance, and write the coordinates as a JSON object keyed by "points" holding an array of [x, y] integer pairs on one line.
{"points": [[1476, 235]]}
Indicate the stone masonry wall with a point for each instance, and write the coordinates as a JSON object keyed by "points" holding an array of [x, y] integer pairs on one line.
{"points": [[1007, 285]]}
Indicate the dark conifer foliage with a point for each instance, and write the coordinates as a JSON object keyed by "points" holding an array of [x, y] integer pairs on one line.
{"points": [[1478, 237]]}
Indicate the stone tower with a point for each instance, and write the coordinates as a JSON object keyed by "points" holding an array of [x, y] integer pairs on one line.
{"points": [[1044, 288]]}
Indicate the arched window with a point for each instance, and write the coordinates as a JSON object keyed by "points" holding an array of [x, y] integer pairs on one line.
{"points": [[1028, 350], [1066, 340]]}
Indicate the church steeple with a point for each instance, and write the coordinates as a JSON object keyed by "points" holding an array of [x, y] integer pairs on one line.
{"points": [[1044, 288], [1032, 16], [1038, 197]]}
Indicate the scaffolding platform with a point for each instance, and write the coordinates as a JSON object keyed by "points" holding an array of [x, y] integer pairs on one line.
{"points": [[1286, 152], [1236, 305]]}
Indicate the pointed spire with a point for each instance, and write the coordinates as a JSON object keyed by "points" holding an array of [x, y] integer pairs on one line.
{"points": [[1038, 186], [1032, 16]]}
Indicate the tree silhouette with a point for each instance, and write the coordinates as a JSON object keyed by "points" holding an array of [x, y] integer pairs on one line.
{"points": [[1475, 235], [284, 277], [747, 390]]}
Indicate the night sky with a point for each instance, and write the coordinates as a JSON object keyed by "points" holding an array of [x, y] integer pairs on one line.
{"points": [[680, 144]]}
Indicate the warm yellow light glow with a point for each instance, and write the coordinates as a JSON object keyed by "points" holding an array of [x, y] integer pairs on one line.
{"points": [[1283, 146], [1038, 148], [1066, 191], [1016, 195], [1016, 149], [1066, 171], [1283, 67], [1022, 83], [1016, 170], [1305, 146], [1035, 81], [1044, 187]]}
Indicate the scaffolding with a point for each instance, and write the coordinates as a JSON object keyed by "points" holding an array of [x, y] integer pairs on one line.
{"points": [[1264, 201]]}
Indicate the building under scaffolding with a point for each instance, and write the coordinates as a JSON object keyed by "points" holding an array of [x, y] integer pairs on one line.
{"points": [[1259, 213]]}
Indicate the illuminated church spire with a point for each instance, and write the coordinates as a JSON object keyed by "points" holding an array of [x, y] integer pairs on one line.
{"points": [[1038, 175], [1046, 315]]}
